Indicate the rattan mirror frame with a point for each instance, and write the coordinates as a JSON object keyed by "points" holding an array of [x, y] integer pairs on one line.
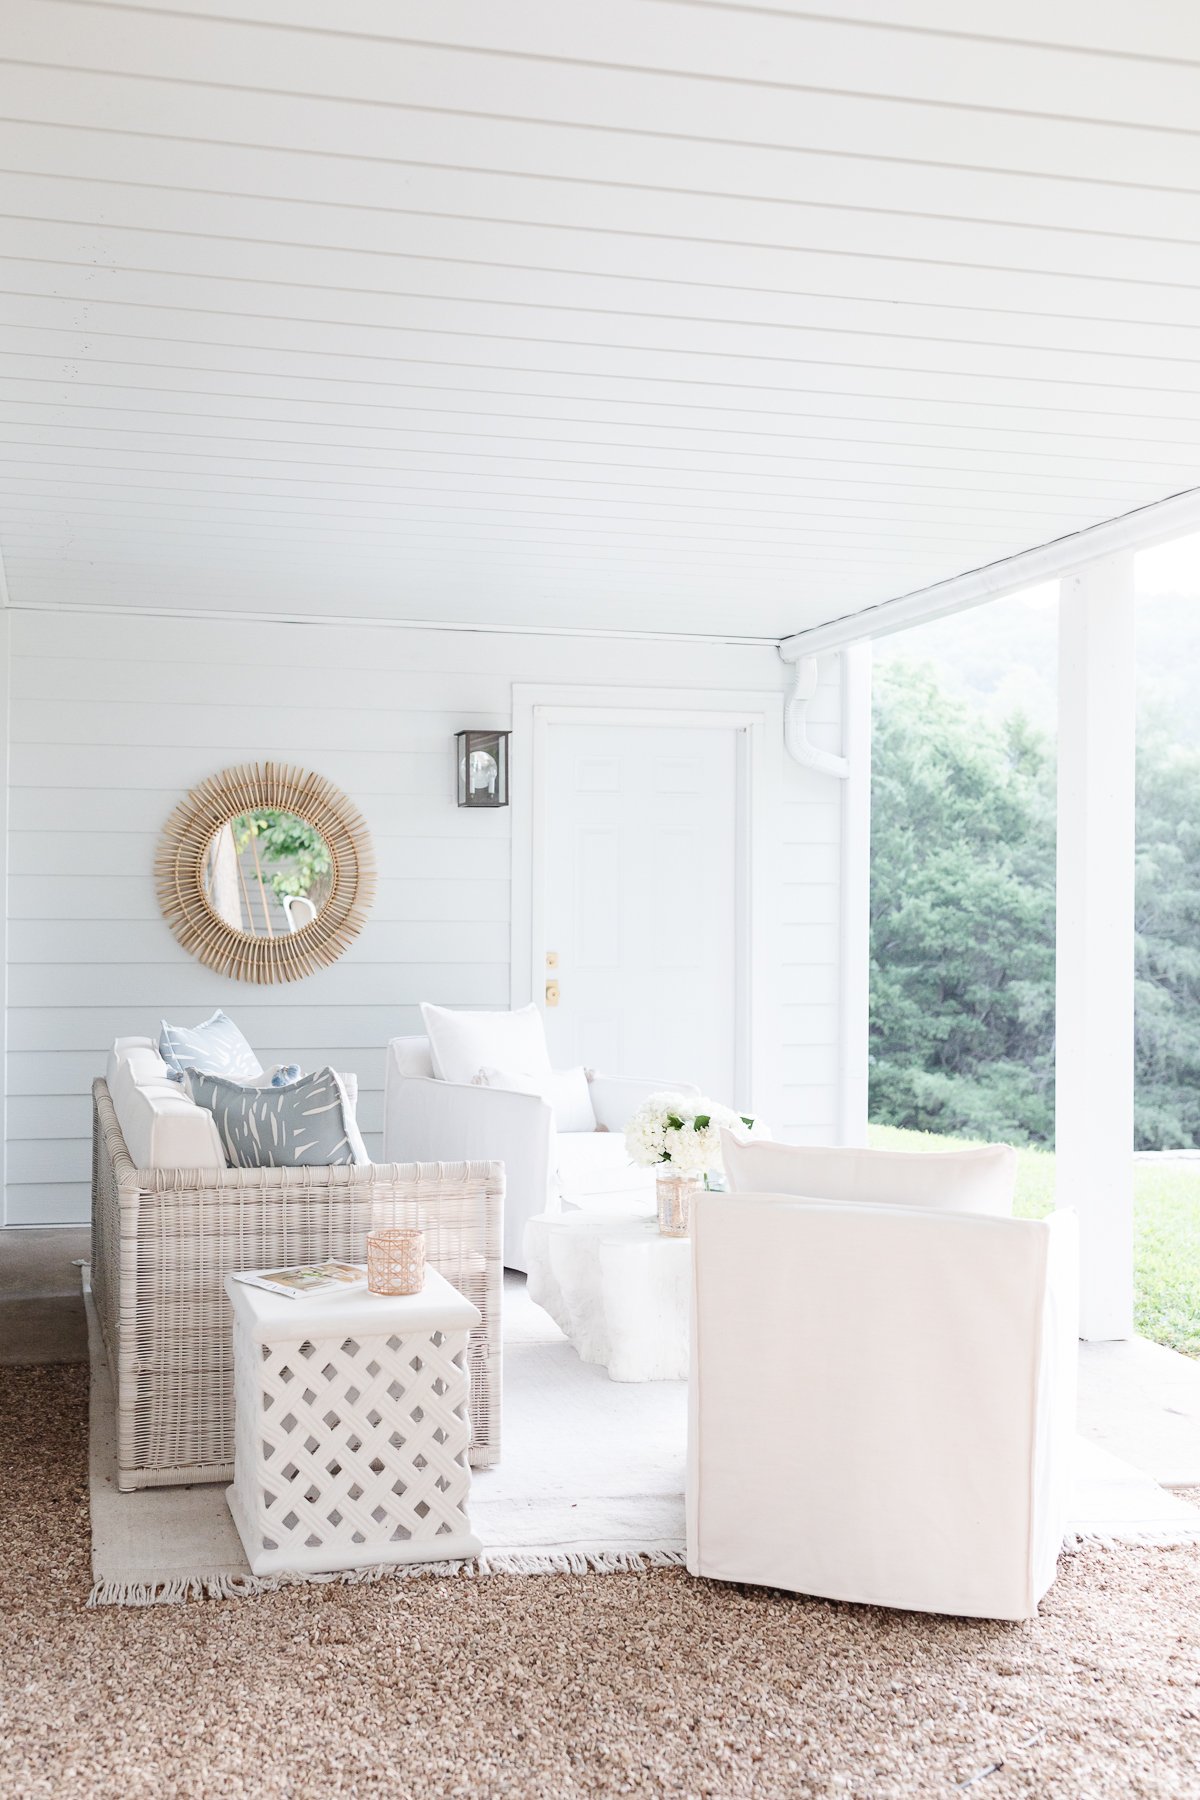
{"points": [[179, 872]]}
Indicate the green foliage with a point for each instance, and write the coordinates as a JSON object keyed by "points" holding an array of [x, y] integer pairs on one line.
{"points": [[1168, 945], [962, 923], [1166, 1234], [962, 917], [282, 837]]}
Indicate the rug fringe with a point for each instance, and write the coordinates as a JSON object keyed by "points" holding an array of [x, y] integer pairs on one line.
{"points": [[578, 1562], [1133, 1537], [242, 1587]]}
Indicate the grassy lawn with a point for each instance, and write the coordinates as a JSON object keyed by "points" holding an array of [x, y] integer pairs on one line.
{"points": [[1166, 1221]]}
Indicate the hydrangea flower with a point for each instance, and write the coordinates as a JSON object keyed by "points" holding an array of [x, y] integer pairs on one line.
{"points": [[681, 1131]]}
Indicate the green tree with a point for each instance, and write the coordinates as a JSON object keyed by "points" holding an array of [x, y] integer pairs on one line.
{"points": [[962, 922], [962, 917], [1168, 945]]}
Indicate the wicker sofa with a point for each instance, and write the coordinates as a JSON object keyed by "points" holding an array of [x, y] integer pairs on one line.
{"points": [[164, 1239]]}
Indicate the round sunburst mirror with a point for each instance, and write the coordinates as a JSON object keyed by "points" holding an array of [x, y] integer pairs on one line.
{"points": [[265, 872]]}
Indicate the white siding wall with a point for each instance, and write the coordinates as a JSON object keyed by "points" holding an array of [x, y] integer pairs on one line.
{"points": [[112, 718]]}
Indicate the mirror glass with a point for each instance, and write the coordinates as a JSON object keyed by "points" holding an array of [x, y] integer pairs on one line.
{"points": [[267, 873]]}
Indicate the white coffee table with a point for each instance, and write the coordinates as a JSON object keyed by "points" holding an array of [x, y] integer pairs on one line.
{"points": [[618, 1290]]}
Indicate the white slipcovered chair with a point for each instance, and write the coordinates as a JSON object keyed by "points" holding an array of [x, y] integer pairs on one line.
{"points": [[543, 1167], [882, 1401]]}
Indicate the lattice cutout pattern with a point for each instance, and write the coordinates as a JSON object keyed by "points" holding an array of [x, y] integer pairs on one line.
{"points": [[351, 1451]]}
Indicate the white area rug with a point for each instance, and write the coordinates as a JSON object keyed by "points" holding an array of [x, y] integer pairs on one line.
{"points": [[592, 1478]]}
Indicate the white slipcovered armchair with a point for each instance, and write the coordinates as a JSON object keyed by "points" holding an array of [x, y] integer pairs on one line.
{"points": [[881, 1401], [543, 1167]]}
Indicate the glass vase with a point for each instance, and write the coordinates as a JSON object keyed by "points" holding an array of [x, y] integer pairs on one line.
{"points": [[674, 1194]]}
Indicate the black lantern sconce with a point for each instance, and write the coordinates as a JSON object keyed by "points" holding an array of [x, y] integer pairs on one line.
{"points": [[482, 767]]}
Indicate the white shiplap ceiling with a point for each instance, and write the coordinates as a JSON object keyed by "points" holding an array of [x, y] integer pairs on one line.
{"points": [[628, 314]]}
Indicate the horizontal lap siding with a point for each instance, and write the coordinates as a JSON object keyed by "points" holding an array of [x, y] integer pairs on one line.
{"points": [[111, 719]]}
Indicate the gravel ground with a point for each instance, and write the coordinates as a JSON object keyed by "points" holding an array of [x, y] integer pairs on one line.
{"points": [[560, 1686]]}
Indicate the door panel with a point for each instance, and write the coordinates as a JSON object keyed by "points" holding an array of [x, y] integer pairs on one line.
{"points": [[640, 847]]}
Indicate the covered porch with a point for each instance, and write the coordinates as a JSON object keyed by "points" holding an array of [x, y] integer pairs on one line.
{"points": [[585, 389]]}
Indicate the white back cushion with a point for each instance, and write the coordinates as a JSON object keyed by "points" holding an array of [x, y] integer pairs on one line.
{"points": [[963, 1181], [162, 1127], [412, 1057], [462, 1043], [121, 1049], [565, 1091]]}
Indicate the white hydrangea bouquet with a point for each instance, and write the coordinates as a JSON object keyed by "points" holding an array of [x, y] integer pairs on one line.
{"points": [[683, 1133]]}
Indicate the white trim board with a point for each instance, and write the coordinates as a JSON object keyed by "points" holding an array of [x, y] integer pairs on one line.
{"points": [[1158, 523], [536, 707], [344, 621]]}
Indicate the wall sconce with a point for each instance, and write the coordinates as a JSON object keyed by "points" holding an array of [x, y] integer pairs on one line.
{"points": [[482, 767]]}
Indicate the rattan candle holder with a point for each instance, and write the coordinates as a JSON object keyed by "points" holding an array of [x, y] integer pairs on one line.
{"points": [[396, 1261]]}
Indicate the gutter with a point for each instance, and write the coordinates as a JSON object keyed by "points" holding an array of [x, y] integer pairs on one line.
{"points": [[1156, 523]]}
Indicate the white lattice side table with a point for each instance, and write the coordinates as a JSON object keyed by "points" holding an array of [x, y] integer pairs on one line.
{"points": [[352, 1428]]}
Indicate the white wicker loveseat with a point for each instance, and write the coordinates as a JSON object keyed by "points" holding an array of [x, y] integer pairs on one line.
{"points": [[164, 1239]]}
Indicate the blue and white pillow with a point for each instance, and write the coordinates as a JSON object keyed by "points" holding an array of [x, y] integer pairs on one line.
{"points": [[310, 1124], [216, 1047]]}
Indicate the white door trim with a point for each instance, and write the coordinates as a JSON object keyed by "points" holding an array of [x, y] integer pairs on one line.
{"points": [[759, 718]]}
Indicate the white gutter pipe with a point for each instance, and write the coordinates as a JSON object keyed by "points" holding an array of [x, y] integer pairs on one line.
{"points": [[795, 718], [1153, 524]]}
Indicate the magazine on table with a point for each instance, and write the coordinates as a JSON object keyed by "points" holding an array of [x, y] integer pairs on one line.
{"points": [[307, 1280]]}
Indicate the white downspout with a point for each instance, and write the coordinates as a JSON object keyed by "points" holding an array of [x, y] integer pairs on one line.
{"points": [[795, 718]]}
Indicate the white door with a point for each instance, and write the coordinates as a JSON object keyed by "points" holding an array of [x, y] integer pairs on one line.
{"points": [[640, 854]]}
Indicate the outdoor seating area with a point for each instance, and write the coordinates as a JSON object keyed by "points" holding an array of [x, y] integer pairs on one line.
{"points": [[599, 776], [361, 1428]]}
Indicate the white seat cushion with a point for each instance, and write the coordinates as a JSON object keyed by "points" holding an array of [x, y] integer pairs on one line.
{"points": [[462, 1043], [979, 1181], [597, 1162]]}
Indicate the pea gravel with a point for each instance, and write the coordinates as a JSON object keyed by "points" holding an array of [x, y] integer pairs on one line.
{"points": [[560, 1686]]}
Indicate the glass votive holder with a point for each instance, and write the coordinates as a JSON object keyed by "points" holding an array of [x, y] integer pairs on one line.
{"points": [[675, 1194], [396, 1261]]}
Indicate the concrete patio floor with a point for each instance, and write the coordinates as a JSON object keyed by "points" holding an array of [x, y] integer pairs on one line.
{"points": [[1142, 1402], [1135, 1398]]}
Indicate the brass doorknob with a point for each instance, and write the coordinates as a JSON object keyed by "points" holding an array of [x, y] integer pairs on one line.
{"points": [[552, 993]]}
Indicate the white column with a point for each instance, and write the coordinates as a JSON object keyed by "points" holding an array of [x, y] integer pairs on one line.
{"points": [[1094, 1079]]}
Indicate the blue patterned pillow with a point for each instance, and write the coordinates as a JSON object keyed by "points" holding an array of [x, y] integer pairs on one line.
{"points": [[216, 1047], [310, 1124]]}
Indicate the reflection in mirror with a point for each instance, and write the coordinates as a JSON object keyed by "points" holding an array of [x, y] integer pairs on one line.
{"points": [[267, 873]]}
